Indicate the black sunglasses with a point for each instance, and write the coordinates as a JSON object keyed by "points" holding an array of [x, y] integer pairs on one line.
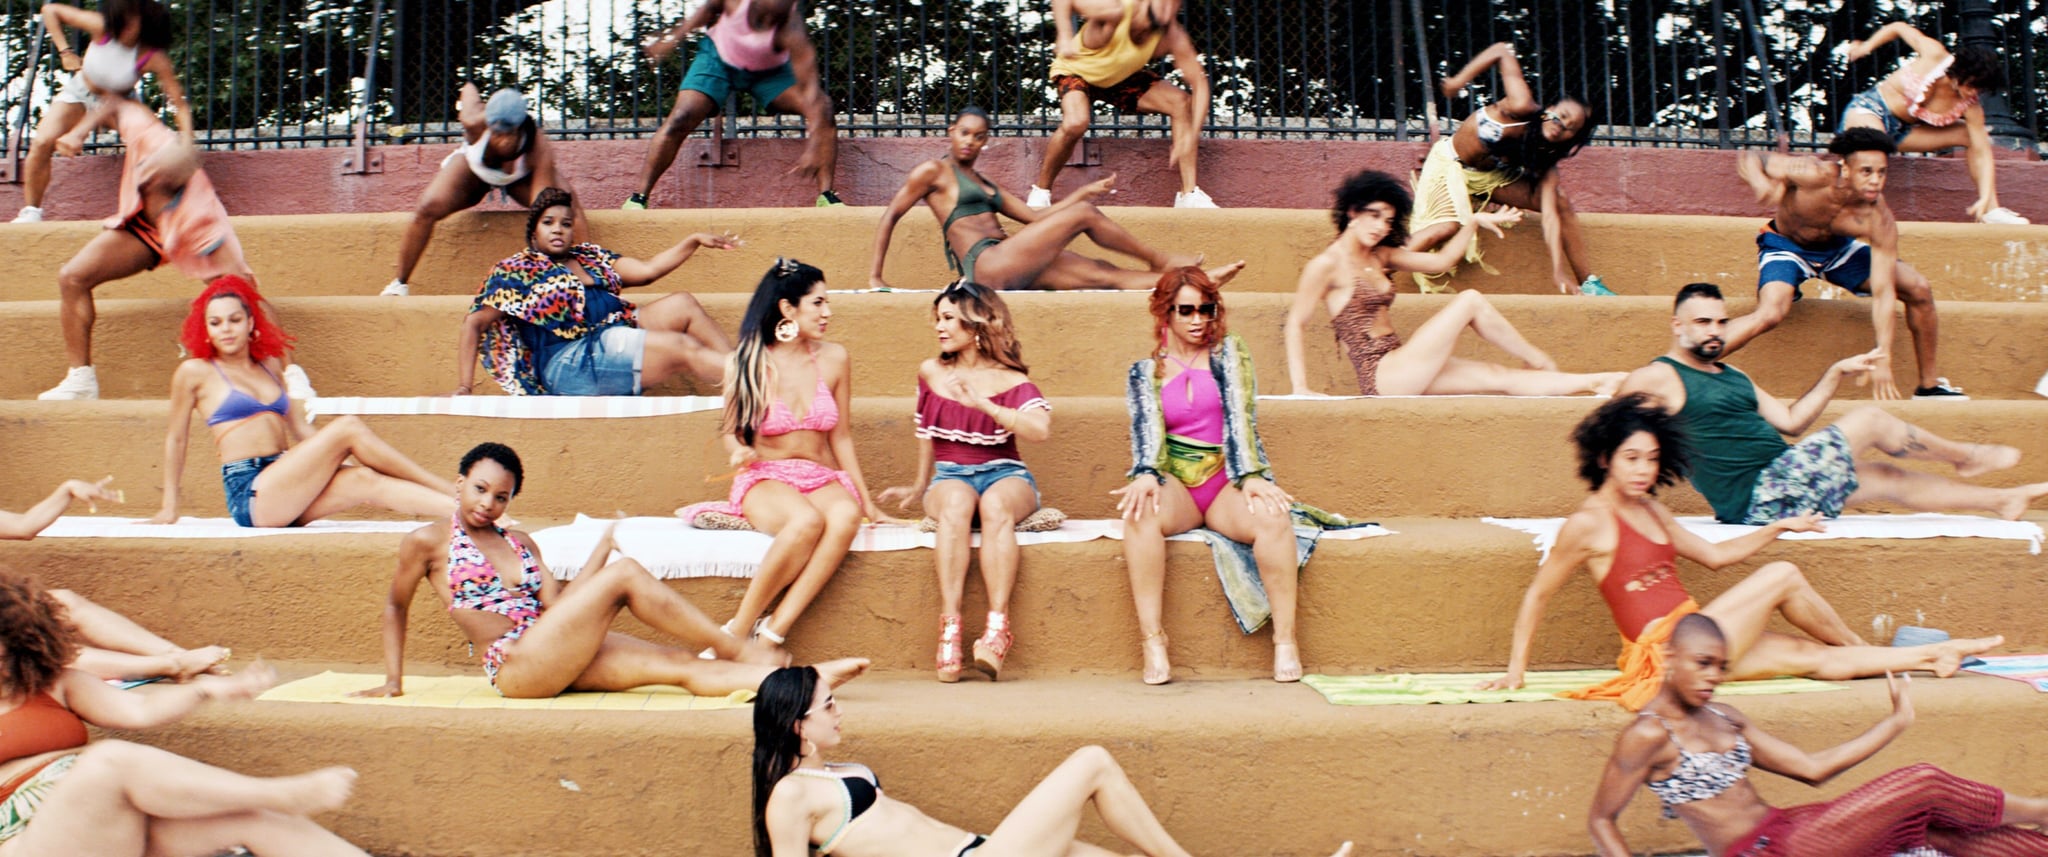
{"points": [[1185, 310]]}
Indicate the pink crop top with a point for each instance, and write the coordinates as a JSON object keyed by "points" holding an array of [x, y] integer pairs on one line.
{"points": [[1914, 87], [741, 46], [1191, 404], [961, 434]]}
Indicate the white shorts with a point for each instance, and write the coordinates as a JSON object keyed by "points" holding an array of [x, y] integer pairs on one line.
{"points": [[75, 91]]}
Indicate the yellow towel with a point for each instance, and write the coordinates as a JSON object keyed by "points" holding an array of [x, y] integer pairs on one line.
{"points": [[473, 691]]}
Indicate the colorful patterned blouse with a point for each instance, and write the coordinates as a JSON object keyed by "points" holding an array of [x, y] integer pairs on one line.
{"points": [[545, 304]]}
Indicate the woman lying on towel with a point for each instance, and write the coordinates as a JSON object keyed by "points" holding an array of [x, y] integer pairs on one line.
{"points": [[802, 802], [540, 637], [1695, 757], [275, 470], [1629, 542], [552, 323], [789, 428], [25, 525], [60, 794], [1351, 280], [973, 401]]}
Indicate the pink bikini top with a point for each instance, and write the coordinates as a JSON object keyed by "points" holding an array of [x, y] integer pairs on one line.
{"points": [[822, 416], [1914, 87]]}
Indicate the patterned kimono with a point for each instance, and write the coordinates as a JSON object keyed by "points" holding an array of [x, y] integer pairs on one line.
{"points": [[543, 299]]}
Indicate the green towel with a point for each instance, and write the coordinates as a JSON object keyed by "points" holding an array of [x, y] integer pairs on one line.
{"points": [[1451, 688]]}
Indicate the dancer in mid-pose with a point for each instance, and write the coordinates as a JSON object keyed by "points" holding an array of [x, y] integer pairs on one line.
{"points": [[759, 47], [1919, 106], [1350, 279], [1106, 62], [276, 471], [1506, 152], [804, 803], [979, 251], [1629, 542], [974, 401], [1695, 755]]}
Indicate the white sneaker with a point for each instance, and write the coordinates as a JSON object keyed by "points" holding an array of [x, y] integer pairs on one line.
{"points": [[2000, 215], [1039, 198], [1193, 199], [1940, 389], [397, 289], [29, 214], [80, 383]]}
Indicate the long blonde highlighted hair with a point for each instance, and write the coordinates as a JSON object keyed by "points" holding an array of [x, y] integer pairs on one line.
{"points": [[748, 387], [984, 314]]}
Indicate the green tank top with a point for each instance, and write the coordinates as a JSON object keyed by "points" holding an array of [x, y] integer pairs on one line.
{"points": [[1728, 442]]}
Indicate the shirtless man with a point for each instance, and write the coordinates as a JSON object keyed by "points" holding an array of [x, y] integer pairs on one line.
{"points": [[1833, 224], [980, 251], [1106, 61], [502, 149], [760, 47]]}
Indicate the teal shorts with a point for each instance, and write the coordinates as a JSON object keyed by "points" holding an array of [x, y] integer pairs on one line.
{"points": [[710, 75]]}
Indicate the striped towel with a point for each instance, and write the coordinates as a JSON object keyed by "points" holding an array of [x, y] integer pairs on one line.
{"points": [[2031, 669], [1456, 688], [515, 407], [1918, 526], [94, 527]]}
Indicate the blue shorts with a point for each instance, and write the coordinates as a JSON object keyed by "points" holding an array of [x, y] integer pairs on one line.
{"points": [[1869, 100], [1813, 476], [238, 481], [982, 477], [1844, 262], [710, 75], [605, 363]]}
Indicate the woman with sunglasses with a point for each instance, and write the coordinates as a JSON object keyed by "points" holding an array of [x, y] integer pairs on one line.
{"points": [[803, 803], [1350, 279], [1505, 152]]}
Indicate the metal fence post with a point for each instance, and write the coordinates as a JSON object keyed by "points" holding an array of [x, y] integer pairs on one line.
{"points": [[10, 163], [1998, 118], [361, 160], [1723, 103]]}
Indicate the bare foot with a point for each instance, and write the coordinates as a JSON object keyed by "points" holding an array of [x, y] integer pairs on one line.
{"points": [[2018, 499], [1286, 662], [760, 651], [1987, 458], [1948, 658], [1158, 670], [836, 673], [1171, 261], [187, 663], [324, 790], [1343, 850], [1226, 273], [1606, 383]]}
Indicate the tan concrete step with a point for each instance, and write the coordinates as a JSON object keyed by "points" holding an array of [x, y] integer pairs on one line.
{"points": [[355, 254], [1231, 767], [1441, 594], [1440, 457], [1076, 344]]}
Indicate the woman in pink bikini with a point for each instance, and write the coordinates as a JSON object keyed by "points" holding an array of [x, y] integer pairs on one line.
{"points": [[787, 426], [1931, 104]]}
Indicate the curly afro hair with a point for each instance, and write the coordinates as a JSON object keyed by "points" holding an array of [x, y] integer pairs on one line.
{"points": [[1604, 430], [1367, 187], [500, 453], [546, 198], [1859, 139], [1978, 66], [36, 637]]}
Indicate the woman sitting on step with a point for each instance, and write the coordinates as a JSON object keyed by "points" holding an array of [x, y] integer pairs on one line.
{"points": [[60, 793], [540, 637], [802, 802], [789, 428], [276, 471], [973, 401], [1351, 279], [552, 323]]}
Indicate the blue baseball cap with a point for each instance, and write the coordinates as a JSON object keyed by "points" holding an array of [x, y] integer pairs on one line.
{"points": [[506, 111]]}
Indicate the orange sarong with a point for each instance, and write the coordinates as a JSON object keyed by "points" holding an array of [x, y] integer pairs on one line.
{"points": [[1641, 664]]}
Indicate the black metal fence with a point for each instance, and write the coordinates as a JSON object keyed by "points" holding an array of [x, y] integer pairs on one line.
{"points": [[290, 73]]}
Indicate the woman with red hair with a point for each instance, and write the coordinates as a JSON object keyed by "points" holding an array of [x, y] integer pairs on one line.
{"points": [[277, 472]]}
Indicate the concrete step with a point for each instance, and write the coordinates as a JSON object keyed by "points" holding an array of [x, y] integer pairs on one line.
{"points": [[1439, 595], [1439, 457], [1077, 345], [1301, 775], [354, 254]]}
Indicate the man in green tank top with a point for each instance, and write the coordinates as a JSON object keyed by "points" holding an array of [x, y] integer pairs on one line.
{"points": [[1750, 475]]}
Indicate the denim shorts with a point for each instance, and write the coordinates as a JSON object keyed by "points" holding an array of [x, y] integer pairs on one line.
{"points": [[1869, 100], [238, 481], [605, 363], [982, 477]]}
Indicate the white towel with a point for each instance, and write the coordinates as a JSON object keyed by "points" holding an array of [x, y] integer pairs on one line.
{"points": [[516, 407], [2041, 386], [79, 527], [1920, 526], [1290, 397]]}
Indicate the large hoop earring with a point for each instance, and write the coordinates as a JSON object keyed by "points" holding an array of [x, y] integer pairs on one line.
{"points": [[785, 330], [803, 753]]}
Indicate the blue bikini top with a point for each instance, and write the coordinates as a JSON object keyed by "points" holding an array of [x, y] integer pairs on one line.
{"points": [[240, 406]]}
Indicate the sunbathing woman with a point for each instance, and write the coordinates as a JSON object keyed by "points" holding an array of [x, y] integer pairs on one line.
{"points": [[798, 479], [802, 802], [1629, 542], [1930, 104], [979, 251], [276, 471], [552, 321], [540, 637], [973, 401], [1506, 152], [1696, 755], [1350, 279], [60, 794]]}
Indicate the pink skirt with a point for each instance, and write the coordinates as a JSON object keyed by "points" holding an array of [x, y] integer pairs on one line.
{"points": [[802, 474]]}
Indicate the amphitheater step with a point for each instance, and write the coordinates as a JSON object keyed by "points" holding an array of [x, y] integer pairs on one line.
{"points": [[1077, 345], [354, 254], [1232, 767]]}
